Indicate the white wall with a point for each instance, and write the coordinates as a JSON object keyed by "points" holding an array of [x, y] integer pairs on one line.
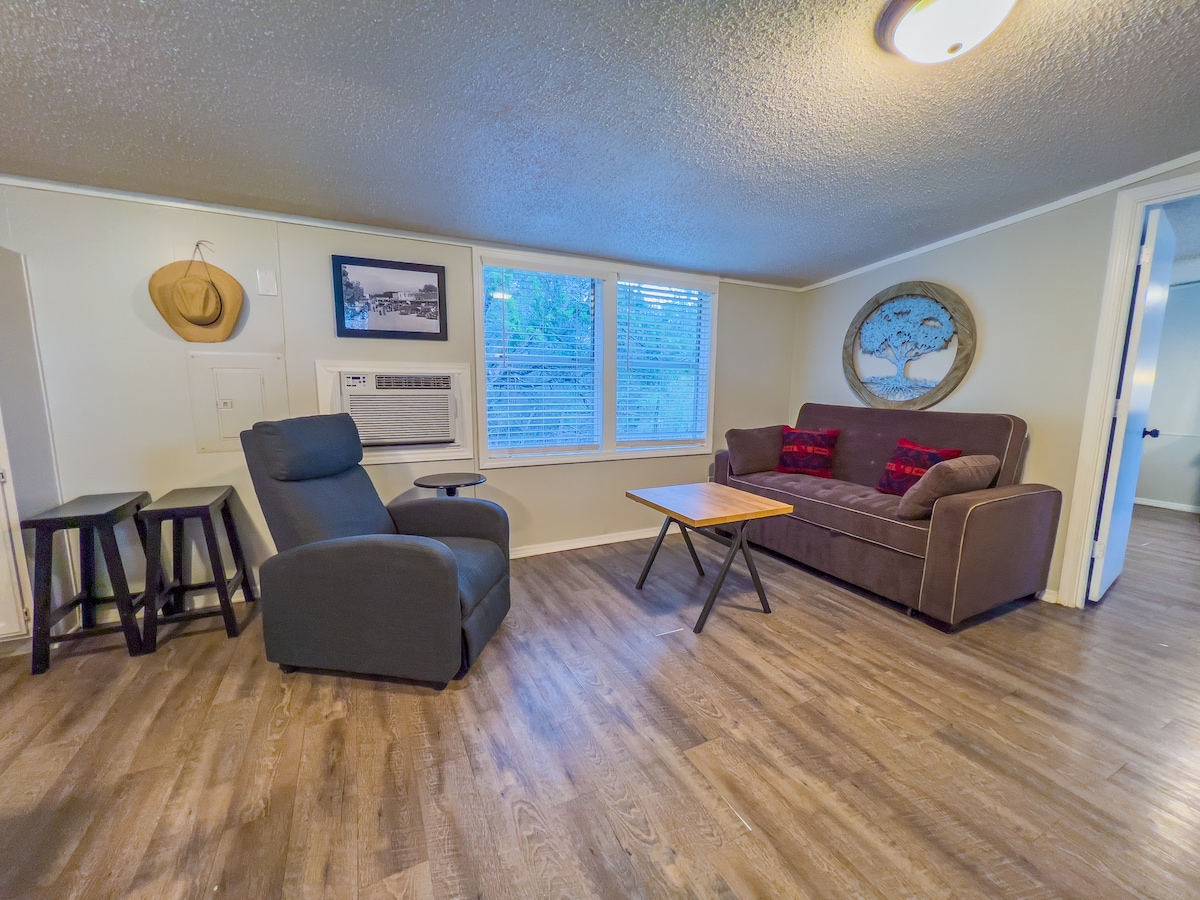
{"points": [[1170, 473], [1035, 288], [116, 377]]}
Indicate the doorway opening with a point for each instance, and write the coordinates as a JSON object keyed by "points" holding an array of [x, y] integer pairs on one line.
{"points": [[1151, 264]]}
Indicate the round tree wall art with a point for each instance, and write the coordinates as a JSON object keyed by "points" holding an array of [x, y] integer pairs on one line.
{"points": [[909, 346]]}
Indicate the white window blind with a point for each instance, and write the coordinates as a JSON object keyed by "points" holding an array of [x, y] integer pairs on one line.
{"points": [[541, 360], [663, 353]]}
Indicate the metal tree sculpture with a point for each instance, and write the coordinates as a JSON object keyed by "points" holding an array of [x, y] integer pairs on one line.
{"points": [[900, 331]]}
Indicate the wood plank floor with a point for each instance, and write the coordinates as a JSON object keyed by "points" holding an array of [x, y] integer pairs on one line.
{"points": [[835, 748]]}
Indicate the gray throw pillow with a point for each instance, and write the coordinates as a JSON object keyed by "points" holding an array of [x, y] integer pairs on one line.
{"points": [[951, 476], [754, 449]]}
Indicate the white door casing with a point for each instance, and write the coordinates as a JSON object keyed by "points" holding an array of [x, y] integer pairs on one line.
{"points": [[15, 592], [1151, 285]]}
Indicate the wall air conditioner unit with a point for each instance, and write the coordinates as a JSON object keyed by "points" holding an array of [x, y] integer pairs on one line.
{"points": [[395, 409]]}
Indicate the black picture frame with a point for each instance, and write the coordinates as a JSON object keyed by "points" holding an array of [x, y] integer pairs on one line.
{"points": [[394, 296]]}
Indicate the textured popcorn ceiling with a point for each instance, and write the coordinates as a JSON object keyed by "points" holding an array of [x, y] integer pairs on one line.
{"points": [[768, 141], [1184, 216]]}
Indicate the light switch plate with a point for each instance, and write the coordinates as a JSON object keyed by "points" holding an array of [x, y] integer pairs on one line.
{"points": [[268, 285]]}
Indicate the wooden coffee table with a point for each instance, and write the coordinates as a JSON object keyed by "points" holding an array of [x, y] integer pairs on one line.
{"points": [[701, 506]]}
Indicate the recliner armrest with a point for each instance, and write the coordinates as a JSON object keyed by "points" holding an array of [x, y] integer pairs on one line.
{"points": [[452, 517], [987, 548]]}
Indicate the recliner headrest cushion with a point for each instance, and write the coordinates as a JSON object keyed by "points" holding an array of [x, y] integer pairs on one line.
{"points": [[310, 446]]}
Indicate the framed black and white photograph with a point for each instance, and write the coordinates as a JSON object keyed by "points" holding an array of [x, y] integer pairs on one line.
{"points": [[376, 298]]}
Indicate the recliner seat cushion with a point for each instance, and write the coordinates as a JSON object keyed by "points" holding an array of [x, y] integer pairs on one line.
{"points": [[481, 564], [852, 509]]}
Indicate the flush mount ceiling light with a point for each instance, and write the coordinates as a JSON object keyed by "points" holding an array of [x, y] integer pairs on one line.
{"points": [[933, 31]]}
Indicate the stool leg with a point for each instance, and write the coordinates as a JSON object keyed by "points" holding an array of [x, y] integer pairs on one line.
{"points": [[42, 571], [179, 576], [87, 575], [154, 581], [120, 585], [140, 524], [218, 569], [239, 556]]}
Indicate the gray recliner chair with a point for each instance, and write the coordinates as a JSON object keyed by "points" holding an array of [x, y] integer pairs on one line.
{"points": [[411, 590]]}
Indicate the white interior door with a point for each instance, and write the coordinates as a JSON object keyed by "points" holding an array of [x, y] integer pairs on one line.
{"points": [[14, 577], [1151, 284]]}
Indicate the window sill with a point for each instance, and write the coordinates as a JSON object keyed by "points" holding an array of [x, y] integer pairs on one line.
{"points": [[560, 459]]}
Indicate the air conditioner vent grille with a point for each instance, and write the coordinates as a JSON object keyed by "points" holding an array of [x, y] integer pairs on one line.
{"points": [[402, 420], [396, 409], [412, 382]]}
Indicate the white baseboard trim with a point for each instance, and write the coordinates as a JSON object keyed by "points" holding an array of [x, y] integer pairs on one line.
{"points": [[579, 543], [1167, 504], [1050, 595], [15, 646]]}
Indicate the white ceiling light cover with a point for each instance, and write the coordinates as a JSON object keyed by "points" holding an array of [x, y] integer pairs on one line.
{"points": [[934, 31]]}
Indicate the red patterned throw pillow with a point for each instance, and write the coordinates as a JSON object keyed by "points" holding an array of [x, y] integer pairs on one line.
{"points": [[808, 452], [909, 463]]}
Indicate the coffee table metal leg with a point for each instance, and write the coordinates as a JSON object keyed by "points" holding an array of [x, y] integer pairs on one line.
{"points": [[654, 552], [762, 595], [692, 550], [734, 545]]}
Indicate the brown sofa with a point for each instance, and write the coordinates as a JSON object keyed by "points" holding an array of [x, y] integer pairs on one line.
{"points": [[977, 551]]}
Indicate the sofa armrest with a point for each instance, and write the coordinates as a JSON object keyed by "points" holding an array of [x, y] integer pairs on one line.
{"points": [[721, 467], [987, 548], [382, 604], [452, 517]]}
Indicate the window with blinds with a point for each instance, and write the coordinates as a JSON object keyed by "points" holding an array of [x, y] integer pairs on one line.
{"points": [[541, 360], [663, 353], [586, 362]]}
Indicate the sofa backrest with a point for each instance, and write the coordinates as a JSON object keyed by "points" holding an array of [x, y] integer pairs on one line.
{"points": [[868, 437]]}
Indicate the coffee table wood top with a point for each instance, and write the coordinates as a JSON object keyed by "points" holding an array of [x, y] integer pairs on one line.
{"points": [[708, 503]]}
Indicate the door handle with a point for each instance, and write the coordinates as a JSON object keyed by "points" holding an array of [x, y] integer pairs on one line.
{"points": [[1150, 432]]}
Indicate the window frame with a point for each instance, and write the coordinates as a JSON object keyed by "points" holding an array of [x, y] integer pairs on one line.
{"points": [[606, 330]]}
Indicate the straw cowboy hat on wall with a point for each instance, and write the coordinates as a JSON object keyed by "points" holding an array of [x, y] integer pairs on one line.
{"points": [[199, 301]]}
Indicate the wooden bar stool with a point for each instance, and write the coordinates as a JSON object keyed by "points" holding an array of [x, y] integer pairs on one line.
{"points": [[176, 507], [94, 515]]}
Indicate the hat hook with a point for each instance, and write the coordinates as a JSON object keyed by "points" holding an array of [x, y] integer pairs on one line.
{"points": [[198, 251]]}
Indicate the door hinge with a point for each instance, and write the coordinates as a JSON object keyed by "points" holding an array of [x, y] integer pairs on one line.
{"points": [[1097, 549], [1146, 254], [25, 613], [3, 477]]}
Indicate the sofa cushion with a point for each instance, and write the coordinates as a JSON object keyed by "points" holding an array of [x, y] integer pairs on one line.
{"points": [[481, 564], [842, 506], [754, 449], [954, 476], [908, 463], [808, 452]]}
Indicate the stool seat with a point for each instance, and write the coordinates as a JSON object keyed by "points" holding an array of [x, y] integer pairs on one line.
{"points": [[90, 509], [177, 506], [186, 502], [95, 516]]}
